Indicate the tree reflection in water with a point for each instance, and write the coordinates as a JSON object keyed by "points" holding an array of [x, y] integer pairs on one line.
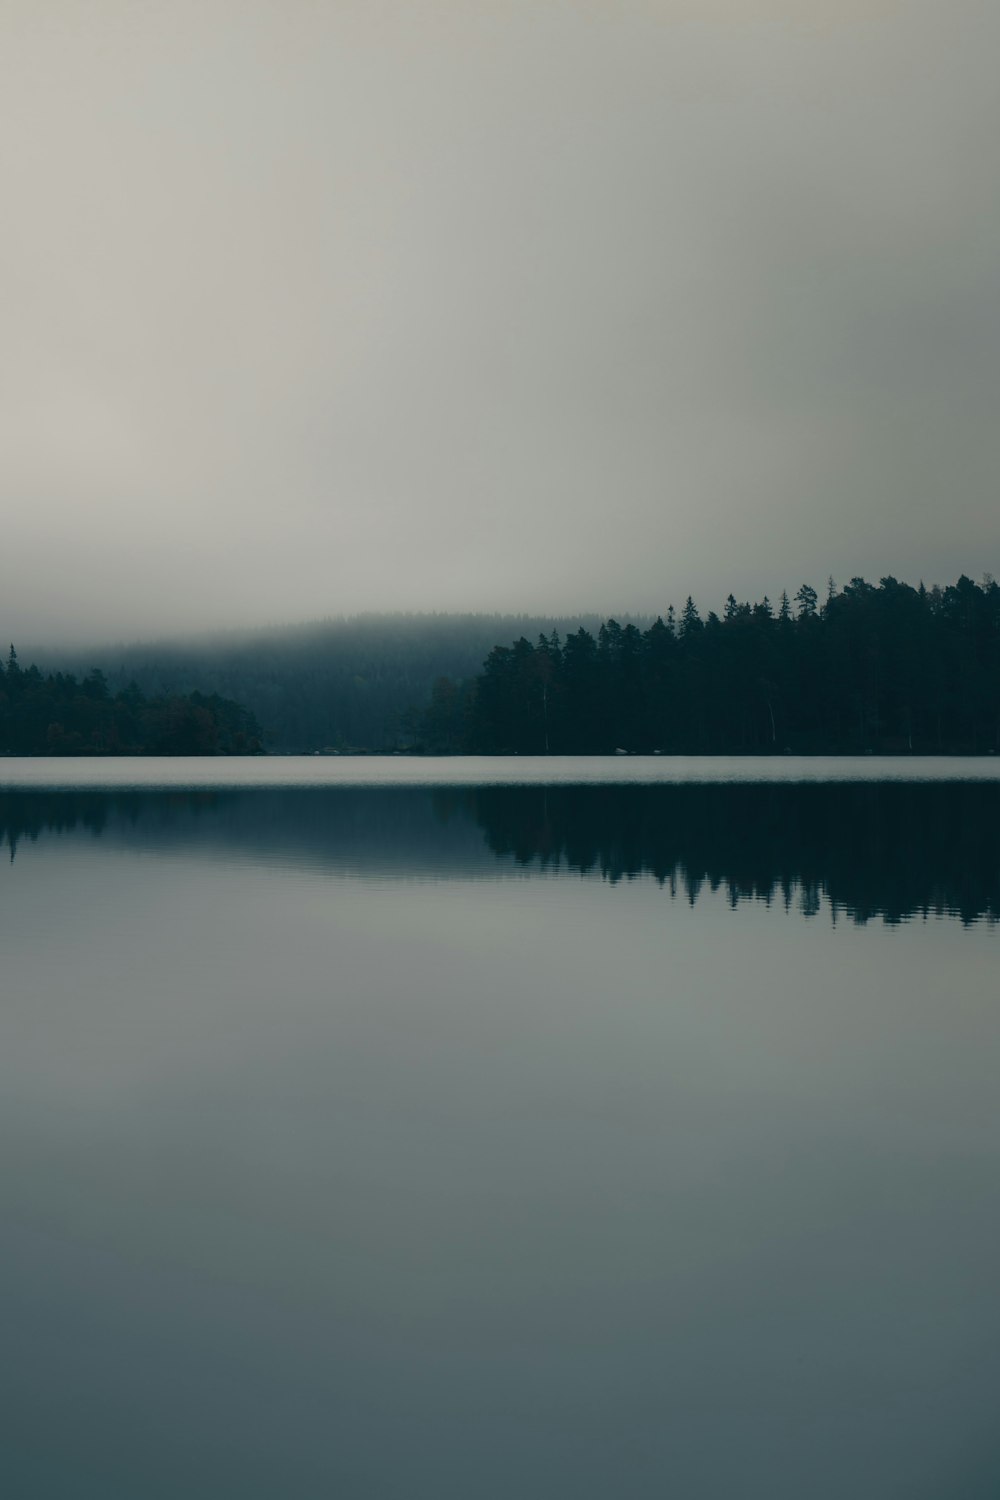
{"points": [[887, 849]]}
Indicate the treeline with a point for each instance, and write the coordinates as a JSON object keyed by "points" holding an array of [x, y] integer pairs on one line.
{"points": [[59, 714], [342, 684], [886, 668]]}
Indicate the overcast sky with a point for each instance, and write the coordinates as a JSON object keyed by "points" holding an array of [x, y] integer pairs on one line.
{"points": [[490, 304]]}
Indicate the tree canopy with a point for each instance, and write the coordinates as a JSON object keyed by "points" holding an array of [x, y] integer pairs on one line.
{"points": [[884, 667], [59, 714]]}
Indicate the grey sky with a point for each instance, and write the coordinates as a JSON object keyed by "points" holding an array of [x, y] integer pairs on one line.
{"points": [[316, 307]]}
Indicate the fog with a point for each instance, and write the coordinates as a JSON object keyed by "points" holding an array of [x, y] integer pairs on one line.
{"points": [[479, 305]]}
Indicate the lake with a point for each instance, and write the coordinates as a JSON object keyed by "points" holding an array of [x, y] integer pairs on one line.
{"points": [[488, 1128]]}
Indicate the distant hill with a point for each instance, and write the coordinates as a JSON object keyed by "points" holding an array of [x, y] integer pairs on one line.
{"points": [[354, 683]]}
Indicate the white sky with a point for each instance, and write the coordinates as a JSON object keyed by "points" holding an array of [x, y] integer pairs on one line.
{"points": [[490, 304]]}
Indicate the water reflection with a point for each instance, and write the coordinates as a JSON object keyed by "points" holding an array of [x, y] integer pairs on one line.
{"points": [[888, 850], [373, 1144], [865, 850]]}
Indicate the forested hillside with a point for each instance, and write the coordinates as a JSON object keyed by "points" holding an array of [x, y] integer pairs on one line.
{"points": [[874, 668], [884, 667], [356, 683]]}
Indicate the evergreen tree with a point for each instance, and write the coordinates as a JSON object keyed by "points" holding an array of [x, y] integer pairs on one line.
{"points": [[881, 667]]}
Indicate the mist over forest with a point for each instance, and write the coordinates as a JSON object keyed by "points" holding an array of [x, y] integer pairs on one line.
{"points": [[887, 667], [353, 683]]}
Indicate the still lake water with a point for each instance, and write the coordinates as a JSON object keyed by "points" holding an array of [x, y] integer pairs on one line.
{"points": [[440, 1136]]}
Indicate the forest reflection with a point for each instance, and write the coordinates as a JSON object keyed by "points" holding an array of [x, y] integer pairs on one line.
{"points": [[863, 850], [870, 849]]}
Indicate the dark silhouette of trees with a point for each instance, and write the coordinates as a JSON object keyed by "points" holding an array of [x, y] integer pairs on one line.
{"points": [[886, 668], [61, 715], [881, 667]]}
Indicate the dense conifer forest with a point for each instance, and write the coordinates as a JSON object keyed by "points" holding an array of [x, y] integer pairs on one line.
{"points": [[57, 714], [867, 667], [886, 668]]}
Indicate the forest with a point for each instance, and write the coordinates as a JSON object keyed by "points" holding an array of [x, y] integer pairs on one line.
{"points": [[873, 668], [357, 683], [869, 667], [58, 714]]}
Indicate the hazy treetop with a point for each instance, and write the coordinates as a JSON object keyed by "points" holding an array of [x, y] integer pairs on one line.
{"points": [[497, 304]]}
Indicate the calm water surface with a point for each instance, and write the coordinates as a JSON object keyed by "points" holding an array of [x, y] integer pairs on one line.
{"points": [[487, 770], [465, 1139]]}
